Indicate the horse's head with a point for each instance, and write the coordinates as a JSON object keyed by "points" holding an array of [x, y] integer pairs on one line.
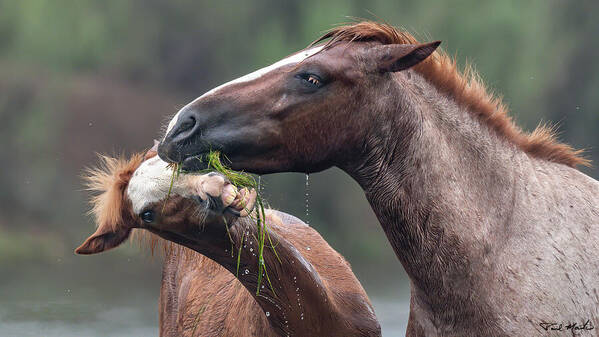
{"points": [[303, 113], [134, 193]]}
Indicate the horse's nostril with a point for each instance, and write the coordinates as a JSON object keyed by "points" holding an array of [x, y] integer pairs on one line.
{"points": [[188, 124], [181, 130]]}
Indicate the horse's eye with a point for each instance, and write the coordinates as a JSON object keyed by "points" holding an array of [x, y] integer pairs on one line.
{"points": [[147, 216], [311, 80]]}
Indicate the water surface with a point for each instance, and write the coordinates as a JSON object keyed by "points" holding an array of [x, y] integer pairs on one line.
{"points": [[83, 316]]}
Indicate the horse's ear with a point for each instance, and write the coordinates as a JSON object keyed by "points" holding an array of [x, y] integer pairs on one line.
{"points": [[103, 239], [153, 152], [398, 57]]}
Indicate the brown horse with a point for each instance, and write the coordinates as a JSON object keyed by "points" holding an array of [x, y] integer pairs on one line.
{"points": [[496, 229], [315, 292]]}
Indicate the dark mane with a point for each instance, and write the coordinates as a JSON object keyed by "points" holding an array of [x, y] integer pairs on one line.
{"points": [[467, 89]]}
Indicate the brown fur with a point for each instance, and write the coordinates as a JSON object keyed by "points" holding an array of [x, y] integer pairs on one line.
{"points": [[315, 292], [466, 88], [184, 286]]}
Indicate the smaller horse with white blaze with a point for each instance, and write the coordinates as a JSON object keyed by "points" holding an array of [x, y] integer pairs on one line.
{"points": [[314, 292]]}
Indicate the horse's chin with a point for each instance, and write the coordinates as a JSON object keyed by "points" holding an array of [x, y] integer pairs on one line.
{"points": [[243, 162], [194, 163]]}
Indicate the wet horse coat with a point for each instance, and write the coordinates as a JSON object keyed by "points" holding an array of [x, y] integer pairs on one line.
{"points": [[314, 292], [497, 230]]}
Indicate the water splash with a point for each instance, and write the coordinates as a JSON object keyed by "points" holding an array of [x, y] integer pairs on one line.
{"points": [[259, 183], [307, 198]]}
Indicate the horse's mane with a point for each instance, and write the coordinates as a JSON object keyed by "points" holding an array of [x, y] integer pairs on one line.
{"points": [[466, 88], [108, 182]]}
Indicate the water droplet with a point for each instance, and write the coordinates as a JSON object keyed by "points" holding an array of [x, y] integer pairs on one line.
{"points": [[308, 248], [267, 314], [294, 277], [307, 198], [259, 183], [246, 271]]}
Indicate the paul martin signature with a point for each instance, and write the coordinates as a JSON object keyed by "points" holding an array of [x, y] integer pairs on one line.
{"points": [[547, 326]]}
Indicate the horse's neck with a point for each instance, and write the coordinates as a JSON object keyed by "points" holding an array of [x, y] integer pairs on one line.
{"points": [[438, 185], [299, 294]]}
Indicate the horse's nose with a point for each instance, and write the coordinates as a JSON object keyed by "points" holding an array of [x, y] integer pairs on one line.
{"points": [[182, 127], [187, 123]]}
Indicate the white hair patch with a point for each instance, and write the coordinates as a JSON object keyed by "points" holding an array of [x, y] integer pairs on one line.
{"points": [[151, 181]]}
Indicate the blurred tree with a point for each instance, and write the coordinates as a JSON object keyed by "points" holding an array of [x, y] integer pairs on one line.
{"points": [[570, 97], [100, 76]]}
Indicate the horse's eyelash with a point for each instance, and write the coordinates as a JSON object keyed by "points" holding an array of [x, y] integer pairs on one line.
{"points": [[313, 79], [316, 80]]}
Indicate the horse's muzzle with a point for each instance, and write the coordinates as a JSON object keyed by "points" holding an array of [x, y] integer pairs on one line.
{"points": [[185, 128]]}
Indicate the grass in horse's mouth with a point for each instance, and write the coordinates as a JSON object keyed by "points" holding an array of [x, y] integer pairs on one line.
{"points": [[239, 180]]}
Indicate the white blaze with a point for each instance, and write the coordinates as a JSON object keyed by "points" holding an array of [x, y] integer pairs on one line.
{"points": [[151, 181], [293, 59]]}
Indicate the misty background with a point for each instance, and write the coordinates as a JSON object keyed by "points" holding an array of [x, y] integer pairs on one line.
{"points": [[85, 77]]}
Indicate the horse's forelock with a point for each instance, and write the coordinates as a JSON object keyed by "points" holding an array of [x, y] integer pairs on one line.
{"points": [[108, 181]]}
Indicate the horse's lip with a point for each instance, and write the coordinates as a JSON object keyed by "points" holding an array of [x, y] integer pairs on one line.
{"points": [[194, 163], [202, 203]]}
